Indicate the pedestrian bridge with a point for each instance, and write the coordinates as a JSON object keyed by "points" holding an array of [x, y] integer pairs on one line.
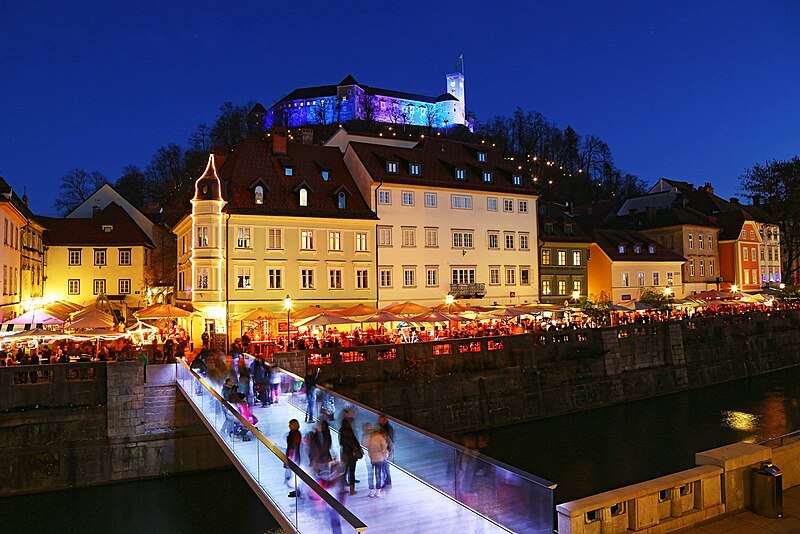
{"points": [[437, 485]]}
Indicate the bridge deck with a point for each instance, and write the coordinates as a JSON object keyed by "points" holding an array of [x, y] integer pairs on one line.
{"points": [[409, 505]]}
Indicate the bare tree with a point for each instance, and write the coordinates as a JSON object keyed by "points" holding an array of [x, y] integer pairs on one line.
{"points": [[367, 110], [76, 186]]}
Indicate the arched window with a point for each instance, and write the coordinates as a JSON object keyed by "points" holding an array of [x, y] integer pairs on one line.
{"points": [[342, 200], [259, 194], [304, 197]]}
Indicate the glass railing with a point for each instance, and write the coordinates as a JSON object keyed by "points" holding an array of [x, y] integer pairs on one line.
{"points": [[290, 492], [506, 496]]}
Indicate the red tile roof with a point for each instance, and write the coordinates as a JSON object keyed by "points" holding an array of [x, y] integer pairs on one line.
{"points": [[439, 159], [252, 163], [610, 240], [89, 231]]}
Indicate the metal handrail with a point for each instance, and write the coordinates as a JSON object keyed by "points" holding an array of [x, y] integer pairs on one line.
{"points": [[489, 460], [765, 441], [345, 513]]}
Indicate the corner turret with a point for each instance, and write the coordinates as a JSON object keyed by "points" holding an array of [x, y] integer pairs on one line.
{"points": [[208, 186]]}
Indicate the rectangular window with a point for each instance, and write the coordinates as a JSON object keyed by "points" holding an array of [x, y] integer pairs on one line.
{"points": [[334, 279], [306, 278], [511, 276], [626, 280], [431, 237], [462, 240], [545, 256], [463, 275], [745, 253], [487, 177], [702, 268], [491, 204], [99, 256], [244, 278], [384, 197], [124, 256], [516, 179], [202, 278], [691, 242], [409, 277], [99, 286], [524, 242], [747, 276], [385, 275], [202, 237], [561, 256], [414, 169], [275, 238], [524, 276], [494, 240], [362, 242], [362, 279], [461, 202], [242, 237], [334, 240], [562, 287], [124, 286], [576, 257], [509, 240], [430, 200], [710, 243], [408, 198], [391, 167], [461, 174], [494, 276], [576, 285], [711, 267], [482, 157], [409, 237], [74, 256], [522, 206], [385, 236], [640, 278], [432, 276], [547, 288], [275, 278], [73, 286], [306, 239], [700, 241], [508, 205]]}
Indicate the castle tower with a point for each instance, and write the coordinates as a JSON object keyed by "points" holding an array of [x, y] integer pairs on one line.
{"points": [[455, 87]]}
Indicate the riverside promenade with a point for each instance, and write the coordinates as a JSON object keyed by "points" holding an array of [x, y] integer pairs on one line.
{"points": [[750, 523]]}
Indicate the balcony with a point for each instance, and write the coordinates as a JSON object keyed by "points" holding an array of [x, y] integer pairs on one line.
{"points": [[468, 291]]}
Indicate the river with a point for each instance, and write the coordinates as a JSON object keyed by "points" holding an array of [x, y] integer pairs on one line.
{"points": [[585, 453]]}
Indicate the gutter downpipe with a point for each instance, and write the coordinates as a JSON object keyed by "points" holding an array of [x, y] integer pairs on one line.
{"points": [[227, 284], [377, 249]]}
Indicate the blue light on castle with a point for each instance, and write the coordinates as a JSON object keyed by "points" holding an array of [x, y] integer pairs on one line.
{"points": [[351, 101]]}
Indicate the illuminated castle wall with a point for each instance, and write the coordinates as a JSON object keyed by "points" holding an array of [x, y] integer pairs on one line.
{"points": [[350, 100]]}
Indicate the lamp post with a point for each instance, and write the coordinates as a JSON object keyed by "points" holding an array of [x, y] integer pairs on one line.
{"points": [[449, 300], [287, 304]]}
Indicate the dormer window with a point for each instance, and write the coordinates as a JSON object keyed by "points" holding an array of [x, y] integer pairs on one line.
{"points": [[461, 174], [637, 249], [621, 248], [259, 194], [342, 200], [516, 179], [106, 228], [326, 175], [288, 171], [482, 157], [391, 167], [548, 228], [651, 248], [487, 177], [414, 169], [568, 229], [303, 197]]}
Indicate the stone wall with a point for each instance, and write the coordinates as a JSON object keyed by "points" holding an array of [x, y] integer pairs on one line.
{"points": [[74, 428], [464, 385]]}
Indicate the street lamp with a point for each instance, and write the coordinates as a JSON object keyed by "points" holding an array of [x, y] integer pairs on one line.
{"points": [[449, 300], [782, 285], [287, 305], [576, 295], [734, 288]]}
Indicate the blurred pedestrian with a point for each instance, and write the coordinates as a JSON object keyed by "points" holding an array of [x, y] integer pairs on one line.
{"points": [[350, 449]]}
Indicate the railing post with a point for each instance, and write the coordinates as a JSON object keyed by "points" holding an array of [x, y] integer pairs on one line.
{"points": [[675, 509]]}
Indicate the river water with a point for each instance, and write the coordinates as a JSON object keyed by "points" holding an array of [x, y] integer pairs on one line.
{"points": [[585, 453]]}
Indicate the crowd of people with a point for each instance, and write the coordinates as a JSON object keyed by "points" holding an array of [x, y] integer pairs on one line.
{"points": [[67, 351]]}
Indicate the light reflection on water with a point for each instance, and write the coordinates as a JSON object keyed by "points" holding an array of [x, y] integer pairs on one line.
{"points": [[606, 448]]}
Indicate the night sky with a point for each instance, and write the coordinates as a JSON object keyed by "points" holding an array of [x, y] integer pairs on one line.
{"points": [[695, 91]]}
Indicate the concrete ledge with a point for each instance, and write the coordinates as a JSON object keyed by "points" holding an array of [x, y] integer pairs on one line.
{"points": [[734, 456]]}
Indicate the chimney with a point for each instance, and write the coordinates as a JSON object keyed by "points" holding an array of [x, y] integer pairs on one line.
{"points": [[307, 136], [25, 199], [733, 200], [708, 188], [279, 140]]}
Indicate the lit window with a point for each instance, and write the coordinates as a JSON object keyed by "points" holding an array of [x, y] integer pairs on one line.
{"points": [[342, 200], [491, 204], [656, 278], [414, 169], [202, 236], [243, 237], [288, 171], [244, 276], [561, 256], [408, 198], [547, 287], [626, 279], [202, 278], [326, 175], [391, 167], [275, 238], [562, 287], [334, 241], [303, 197], [430, 200], [306, 239], [362, 243], [461, 174], [621, 249], [384, 197], [487, 176], [576, 257], [545, 256], [745, 253], [651, 248], [516, 179], [576, 285], [259, 195], [482, 157]]}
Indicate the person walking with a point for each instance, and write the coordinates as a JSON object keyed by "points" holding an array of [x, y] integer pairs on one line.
{"points": [[386, 427], [293, 441], [378, 449], [311, 394], [261, 380], [274, 384], [350, 449]]}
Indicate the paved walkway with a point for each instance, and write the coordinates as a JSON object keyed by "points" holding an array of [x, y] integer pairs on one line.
{"points": [[750, 523]]}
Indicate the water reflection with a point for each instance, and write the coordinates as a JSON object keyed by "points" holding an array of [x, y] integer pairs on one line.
{"points": [[602, 449]]}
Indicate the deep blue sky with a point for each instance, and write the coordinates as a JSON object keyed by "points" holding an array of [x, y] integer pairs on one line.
{"points": [[689, 90]]}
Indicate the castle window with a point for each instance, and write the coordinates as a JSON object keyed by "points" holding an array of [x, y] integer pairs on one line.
{"points": [[259, 195], [326, 175], [482, 157], [304, 197], [621, 248], [391, 167], [461, 174], [342, 201], [651, 249], [383, 105], [517, 179], [288, 171], [414, 169]]}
